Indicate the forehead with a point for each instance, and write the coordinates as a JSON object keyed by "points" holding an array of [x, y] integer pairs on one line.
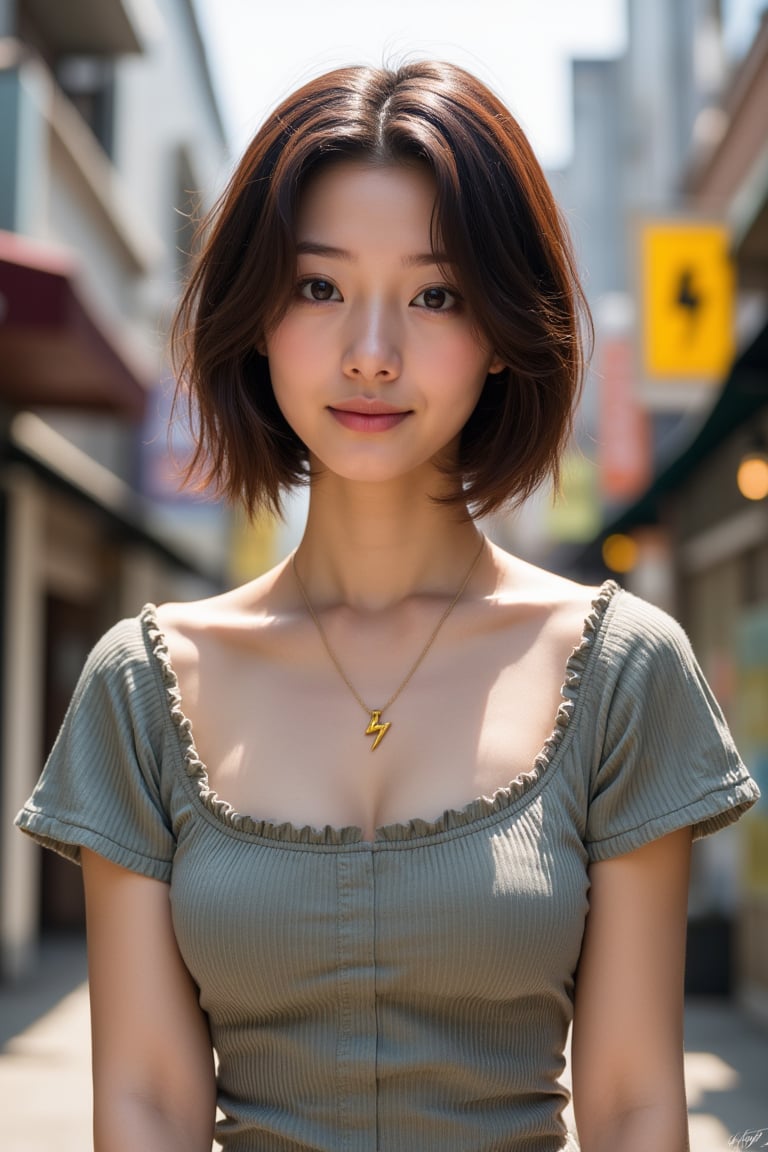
{"points": [[355, 197]]}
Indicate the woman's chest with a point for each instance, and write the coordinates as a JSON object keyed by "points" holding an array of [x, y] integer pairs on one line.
{"points": [[300, 747], [490, 908]]}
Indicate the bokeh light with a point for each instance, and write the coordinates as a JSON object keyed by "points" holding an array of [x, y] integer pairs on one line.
{"points": [[752, 476], [620, 552]]}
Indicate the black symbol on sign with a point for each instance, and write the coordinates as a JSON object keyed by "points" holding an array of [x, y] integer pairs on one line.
{"points": [[690, 299]]}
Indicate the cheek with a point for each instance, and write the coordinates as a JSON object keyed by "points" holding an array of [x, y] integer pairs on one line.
{"points": [[461, 367], [291, 360], [286, 349]]}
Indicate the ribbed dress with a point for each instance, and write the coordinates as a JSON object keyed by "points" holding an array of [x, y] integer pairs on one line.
{"points": [[412, 993]]}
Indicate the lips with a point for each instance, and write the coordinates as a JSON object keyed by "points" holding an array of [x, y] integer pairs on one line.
{"points": [[363, 415]]}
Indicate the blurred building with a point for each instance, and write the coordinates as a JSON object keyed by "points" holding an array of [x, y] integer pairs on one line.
{"points": [[110, 141], [667, 198]]}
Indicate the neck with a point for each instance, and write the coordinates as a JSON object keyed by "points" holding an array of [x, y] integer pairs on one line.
{"points": [[370, 546]]}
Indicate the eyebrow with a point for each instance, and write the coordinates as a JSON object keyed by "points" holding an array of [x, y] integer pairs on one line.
{"points": [[419, 260]]}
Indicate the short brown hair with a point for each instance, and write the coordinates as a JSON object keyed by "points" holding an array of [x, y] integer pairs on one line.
{"points": [[495, 218]]}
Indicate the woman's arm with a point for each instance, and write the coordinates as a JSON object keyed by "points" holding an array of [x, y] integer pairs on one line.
{"points": [[627, 1048], [153, 1073]]}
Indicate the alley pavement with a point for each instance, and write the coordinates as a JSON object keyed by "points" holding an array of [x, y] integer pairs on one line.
{"points": [[45, 1088]]}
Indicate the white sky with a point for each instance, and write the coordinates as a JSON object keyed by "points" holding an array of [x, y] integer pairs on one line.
{"points": [[262, 49]]}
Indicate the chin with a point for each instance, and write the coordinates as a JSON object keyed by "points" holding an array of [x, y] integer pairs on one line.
{"points": [[417, 475]]}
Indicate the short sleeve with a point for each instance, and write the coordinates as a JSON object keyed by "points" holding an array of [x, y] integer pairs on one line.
{"points": [[666, 759], [101, 785]]}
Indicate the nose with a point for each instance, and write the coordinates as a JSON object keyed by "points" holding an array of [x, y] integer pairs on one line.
{"points": [[372, 349]]}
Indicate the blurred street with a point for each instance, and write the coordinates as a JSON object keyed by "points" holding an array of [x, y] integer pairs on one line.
{"points": [[45, 1090]]}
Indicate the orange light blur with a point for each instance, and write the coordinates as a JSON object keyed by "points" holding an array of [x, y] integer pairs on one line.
{"points": [[752, 476], [620, 552]]}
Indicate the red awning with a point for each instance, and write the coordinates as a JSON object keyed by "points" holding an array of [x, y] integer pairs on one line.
{"points": [[53, 350]]}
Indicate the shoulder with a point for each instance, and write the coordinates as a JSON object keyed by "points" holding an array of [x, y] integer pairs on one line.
{"points": [[562, 608], [530, 582], [237, 607], [120, 651], [643, 634], [118, 689], [214, 630], [636, 644], [647, 672]]}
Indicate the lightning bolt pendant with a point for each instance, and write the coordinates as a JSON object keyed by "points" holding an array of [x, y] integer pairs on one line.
{"points": [[377, 729]]}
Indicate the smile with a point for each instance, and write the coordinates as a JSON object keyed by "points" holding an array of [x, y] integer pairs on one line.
{"points": [[367, 415]]}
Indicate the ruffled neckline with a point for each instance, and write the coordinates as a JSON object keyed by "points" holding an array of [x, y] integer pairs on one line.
{"points": [[450, 821]]}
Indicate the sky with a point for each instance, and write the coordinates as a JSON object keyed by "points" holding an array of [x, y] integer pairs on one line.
{"points": [[260, 50]]}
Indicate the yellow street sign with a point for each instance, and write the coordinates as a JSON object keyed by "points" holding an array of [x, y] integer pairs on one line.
{"points": [[687, 292]]}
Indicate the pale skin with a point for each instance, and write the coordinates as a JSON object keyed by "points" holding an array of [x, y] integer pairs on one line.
{"points": [[375, 318]]}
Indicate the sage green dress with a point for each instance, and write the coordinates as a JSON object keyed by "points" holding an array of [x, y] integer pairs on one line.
{"points": [[413, 993]]}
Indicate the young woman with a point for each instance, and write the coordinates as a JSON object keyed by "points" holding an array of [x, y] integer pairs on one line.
{"points": [[377, 825]]}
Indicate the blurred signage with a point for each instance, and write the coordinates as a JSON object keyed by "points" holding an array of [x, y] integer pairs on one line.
{"points": [[624, 433], [253, 546], [575, 516], [687, 290]]}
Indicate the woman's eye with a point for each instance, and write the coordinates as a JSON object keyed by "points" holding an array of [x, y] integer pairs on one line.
{"points": [[436, 299], [319, 290]]}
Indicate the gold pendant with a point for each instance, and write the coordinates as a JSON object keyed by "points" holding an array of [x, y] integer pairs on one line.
{"points": [[377, 729]]}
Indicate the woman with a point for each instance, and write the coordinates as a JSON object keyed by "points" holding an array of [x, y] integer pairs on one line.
{"points": [[376, 825]]}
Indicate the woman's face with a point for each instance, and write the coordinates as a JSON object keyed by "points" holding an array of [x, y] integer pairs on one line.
{"points": [[376, 364]]}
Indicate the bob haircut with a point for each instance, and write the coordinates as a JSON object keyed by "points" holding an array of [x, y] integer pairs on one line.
{"points": [[496, 221]]}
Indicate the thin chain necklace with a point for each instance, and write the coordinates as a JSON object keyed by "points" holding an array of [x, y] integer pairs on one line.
{"points": [[377, 727]]}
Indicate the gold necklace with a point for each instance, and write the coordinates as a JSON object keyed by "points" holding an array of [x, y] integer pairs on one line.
{"points": [[376, 726]]}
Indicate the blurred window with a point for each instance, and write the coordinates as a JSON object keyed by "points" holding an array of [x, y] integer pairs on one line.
{"points": [[89, 82]]}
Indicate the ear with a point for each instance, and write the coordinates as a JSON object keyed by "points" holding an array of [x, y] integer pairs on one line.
{"points": [[497, 365]]}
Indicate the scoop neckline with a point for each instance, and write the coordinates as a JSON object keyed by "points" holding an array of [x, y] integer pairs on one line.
{"points": [[451, 821]]}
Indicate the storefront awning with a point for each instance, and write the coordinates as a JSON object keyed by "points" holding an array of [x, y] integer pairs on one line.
{"points": [[53, 350], [743, 395], [30, 442], [87, 27]]}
